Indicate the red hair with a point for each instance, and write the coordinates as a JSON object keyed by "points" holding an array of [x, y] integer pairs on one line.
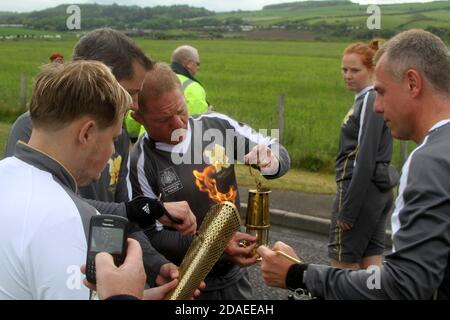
{"points": [[55, 56], [365, 51]]}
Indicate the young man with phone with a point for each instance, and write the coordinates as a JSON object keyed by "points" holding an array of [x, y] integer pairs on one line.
{"points": [[110, 192], [44, 222]]}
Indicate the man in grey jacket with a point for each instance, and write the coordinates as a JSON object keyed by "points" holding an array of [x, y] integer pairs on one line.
{"points": [[413, 94]]}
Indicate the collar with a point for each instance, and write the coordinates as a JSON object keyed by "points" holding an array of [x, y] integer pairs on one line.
{"points": [[363, 92], [45, 162], [179, 69], [435, 127], [438, 125]]}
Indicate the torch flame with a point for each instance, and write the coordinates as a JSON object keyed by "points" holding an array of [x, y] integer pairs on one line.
{"points": [[206, 183]]}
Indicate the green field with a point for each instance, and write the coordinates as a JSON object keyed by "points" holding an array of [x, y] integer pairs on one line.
{"points": [[242, 79], [295, 180], [23, 31], [4, 128]]}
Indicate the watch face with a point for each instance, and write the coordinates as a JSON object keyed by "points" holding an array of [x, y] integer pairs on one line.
{"points": [[302, 294]]}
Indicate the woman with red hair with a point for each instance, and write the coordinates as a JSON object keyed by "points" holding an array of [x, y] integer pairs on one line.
{"points": [[364, 176]]}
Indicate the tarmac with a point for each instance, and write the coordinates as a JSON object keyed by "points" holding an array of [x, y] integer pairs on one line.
{"points": [[299, 210]]}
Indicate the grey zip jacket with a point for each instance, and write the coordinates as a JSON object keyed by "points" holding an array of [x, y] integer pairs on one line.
{"points": [[418, 268]]}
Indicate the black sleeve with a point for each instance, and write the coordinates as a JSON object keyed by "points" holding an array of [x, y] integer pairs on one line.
{"points": [[171, 243], [153, 260], [294, 276]]}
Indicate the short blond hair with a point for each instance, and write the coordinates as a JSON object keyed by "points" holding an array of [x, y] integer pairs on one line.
{"points": [[161, 79], [65, 92]]}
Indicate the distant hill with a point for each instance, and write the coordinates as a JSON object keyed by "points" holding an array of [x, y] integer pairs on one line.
{"points": [[116, 16], [307, 19], [345, 18], [305, 4]]}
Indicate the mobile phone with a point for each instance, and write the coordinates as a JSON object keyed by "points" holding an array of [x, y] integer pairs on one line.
{"points": [[107, 233]]}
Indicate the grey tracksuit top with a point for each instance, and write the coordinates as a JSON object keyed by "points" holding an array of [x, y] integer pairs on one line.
{"points": [[365, 141], [419, 267]]}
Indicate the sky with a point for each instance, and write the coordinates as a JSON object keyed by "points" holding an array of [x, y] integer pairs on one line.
{"points": [[214, 5]]}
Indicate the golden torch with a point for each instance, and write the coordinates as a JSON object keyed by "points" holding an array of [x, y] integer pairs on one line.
{"points": [[220, 223]]}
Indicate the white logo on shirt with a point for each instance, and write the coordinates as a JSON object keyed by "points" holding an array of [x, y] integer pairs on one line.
{"points": [[171, 183], [146, 208]]}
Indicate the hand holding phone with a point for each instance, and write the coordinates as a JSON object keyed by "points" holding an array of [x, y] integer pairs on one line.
{"points": [[107, 233]]}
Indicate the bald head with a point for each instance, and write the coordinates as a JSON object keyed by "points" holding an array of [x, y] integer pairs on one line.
{"points": [[159, 81]]}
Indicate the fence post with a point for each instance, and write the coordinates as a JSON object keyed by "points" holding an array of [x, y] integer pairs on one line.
{"points": [[403, 152], [281, 116], [23, 91]]}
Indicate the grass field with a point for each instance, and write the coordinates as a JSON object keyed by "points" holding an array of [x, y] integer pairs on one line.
{"points": [[295, 179], [24, 31], [242, 79], [4, 129]]}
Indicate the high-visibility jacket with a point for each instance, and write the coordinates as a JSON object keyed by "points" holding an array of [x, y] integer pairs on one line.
{"points": [[194, 94], [133, 127]]}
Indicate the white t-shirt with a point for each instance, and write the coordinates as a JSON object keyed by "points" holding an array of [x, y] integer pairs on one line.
{"points": [[42, 241]]}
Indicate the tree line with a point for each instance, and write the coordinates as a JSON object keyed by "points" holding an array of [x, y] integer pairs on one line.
{"points": [[115, 16]]}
